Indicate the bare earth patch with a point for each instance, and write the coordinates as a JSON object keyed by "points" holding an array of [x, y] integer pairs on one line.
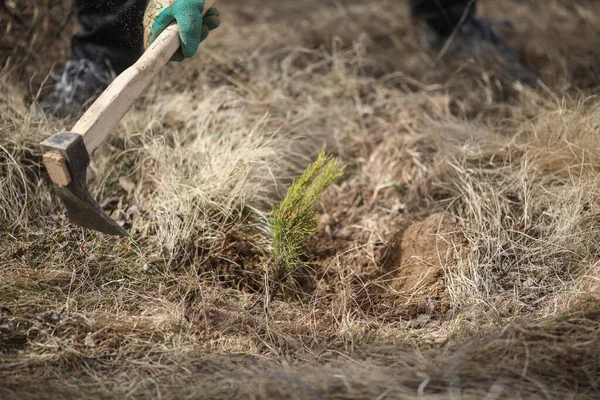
{"points": [[418, 255]]}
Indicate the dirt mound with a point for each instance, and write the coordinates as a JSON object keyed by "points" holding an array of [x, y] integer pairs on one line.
{"points": [[418, 253]]}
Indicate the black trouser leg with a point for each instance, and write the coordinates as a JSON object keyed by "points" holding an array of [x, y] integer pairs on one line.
{"points": [[442, 15], [112, 32]]}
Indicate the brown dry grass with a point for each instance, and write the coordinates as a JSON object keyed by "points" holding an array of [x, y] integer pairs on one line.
{"points": [[195, 169]]}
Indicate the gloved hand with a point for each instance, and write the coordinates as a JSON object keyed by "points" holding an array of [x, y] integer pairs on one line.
{"points": [[193, 28]]}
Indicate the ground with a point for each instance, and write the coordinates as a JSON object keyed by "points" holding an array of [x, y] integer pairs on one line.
{"points": [[458, 257]]}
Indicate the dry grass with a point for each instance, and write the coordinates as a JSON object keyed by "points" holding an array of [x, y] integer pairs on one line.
{"points": [[195, 169], [528, 205]]}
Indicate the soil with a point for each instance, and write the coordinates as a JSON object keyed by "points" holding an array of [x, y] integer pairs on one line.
{"points": [[401, 275], [418, 255]]}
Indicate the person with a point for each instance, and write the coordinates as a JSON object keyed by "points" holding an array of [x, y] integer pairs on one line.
{"points": [[114, 35], [455, 27], [112, 40]]}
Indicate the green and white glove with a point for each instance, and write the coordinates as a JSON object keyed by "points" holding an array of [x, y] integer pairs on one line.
{"points": [[193, 27]]}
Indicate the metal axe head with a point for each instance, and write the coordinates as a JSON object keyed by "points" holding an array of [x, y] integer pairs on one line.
{"points": [[67, 159]]}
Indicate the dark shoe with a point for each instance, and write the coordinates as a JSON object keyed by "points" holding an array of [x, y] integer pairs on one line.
{"points": [[476, 38], [80, 84]]}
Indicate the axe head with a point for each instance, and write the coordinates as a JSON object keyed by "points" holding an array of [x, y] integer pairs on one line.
{"points": [[82, 209]]}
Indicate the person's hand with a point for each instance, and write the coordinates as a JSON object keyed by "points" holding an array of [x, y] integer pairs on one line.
{"points": [[193, 27]]}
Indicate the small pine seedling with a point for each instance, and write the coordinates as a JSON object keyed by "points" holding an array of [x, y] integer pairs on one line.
{"points": [[295, 219]]}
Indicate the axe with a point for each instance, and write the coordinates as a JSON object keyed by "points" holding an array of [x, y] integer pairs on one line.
{"points": [[67, 154]]}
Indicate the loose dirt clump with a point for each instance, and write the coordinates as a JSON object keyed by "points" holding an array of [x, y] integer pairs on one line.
{"points": [[418, 255], [237, 264]]}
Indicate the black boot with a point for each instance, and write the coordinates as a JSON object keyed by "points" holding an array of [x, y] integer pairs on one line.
{"points": [[75, 89], [110, 42], [456, 31], [476, 38]]}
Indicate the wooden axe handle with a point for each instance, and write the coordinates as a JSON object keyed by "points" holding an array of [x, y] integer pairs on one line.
{"points": [[106, 112]]}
